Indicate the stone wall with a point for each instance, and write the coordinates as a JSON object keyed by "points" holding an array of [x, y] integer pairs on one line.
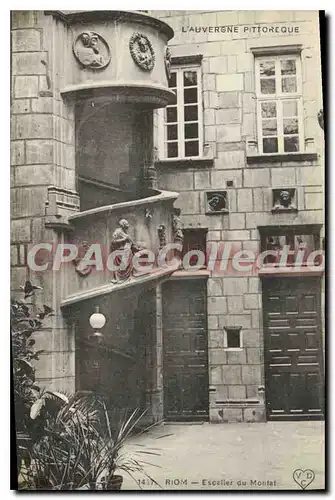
{"points": [[42, 154], [229, 121]]}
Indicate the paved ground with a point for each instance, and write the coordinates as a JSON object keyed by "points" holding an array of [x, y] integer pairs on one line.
{"points": [[231, 456]]}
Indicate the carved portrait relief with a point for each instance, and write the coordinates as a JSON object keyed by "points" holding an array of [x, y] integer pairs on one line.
{"points": [[167, 60], [142, 51], [91, 50]]}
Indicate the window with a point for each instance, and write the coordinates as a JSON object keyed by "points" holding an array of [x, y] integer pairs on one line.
{"points": [[279, 104], [300, 240], [182, 127], [195, 239], [233, 338]]}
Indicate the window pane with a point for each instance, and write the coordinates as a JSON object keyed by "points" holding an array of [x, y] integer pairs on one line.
{"points": [[172, 149], [190, 95], [190, 113], [233, 338], [288, 67], [191, 130], [270, 145], [173, 80], [291, 126], [268, 86], [291, 144], [173, 98], [290, 108], [171, 114], [269, 109], [267, 68], [172, 132], [190, 78], [269, 127], [192, 148], [289, 84]]}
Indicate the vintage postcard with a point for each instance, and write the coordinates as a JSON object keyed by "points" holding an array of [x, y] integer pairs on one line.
{"points": [[167, 250]]}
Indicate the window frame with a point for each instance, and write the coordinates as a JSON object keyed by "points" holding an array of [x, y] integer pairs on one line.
{"points": [[179, 69], [225, 338], [279, 97]]}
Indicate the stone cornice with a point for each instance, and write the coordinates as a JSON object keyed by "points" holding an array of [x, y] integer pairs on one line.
{"points": [[84, 16]]}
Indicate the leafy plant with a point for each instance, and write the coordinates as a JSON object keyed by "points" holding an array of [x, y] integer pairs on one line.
{"points": [[79, 449]]}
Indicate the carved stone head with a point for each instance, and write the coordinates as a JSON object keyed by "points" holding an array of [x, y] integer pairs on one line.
{"points": [[285, 198], [124, 224]]}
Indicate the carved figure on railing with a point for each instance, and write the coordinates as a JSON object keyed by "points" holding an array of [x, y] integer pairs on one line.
{"points": [[124, 259], [177, 227]]}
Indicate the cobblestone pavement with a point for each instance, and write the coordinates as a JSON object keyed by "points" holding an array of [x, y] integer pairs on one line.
{"points": [[230, 456]]}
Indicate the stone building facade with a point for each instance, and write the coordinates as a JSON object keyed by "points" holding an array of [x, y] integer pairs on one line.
{"points": [[226, 48], [90, 127]]}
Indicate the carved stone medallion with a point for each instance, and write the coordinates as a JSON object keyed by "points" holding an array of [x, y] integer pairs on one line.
{"points": [[142, 51], [91, 50], [167, 60]]}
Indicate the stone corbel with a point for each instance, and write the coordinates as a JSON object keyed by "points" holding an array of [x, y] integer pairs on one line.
{"points": [[59, 205]]}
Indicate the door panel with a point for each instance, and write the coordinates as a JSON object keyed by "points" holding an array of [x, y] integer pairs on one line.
{"points": [[293, 348], [185, 350]]}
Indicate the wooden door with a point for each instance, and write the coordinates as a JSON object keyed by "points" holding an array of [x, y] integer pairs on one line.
{"points": [[185, 350], [293, 349]]}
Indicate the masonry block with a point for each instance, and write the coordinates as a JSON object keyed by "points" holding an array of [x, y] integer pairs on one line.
{"points": [[17, 152], [18, 276], [251, 374], [229, 83], [215, 375], [314, 201], [218, 65], [231, 374], [229, 115], [256, 318], [229, 159], [251, 337], [232, 415], [189, 202], [26, 86], [217, 356], [220, 178], [28, 200], [210, 133], [217, 305], [209, 117], [249, 102], [20, 106], [23, 19], [214, 287], [228, 100], [215, 339], [236, 221], [233, 47], [249, 125], [258, 199], [29, 63], [254, 414], [253, 356], [237, 235], [213, 235], [244, 200], [236, 392], [283, 177], [202, 180], [256, 177], [209, 82], [235, 304], [236, 357], [39, 151], [26, 40], [254, 285], [33, 175], [20, 230], [252, 301], [252, 391], [212, 322], [43, 105], [34, 127]]}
